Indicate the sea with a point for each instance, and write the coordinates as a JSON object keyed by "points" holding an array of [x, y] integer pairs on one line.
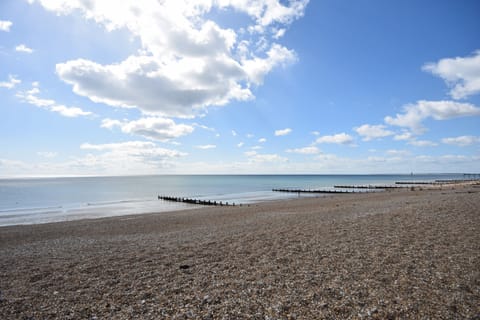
{"points": [[45, 200]]}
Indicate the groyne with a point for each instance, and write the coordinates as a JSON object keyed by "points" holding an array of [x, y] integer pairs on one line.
{"points": [[195, 201], [315, 191]]}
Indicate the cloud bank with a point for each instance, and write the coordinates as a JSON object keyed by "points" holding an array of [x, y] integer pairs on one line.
{"points": [[462, 141], [186, 62], [129, 156], [305, 150]]}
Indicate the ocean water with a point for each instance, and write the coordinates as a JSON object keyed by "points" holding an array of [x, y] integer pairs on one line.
{"points": [[42, 200]]}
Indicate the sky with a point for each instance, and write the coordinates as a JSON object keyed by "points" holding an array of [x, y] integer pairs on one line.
{"points": [[90, 87]]}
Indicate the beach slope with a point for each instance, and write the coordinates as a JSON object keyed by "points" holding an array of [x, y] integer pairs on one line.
{"points": [[390, 255]]}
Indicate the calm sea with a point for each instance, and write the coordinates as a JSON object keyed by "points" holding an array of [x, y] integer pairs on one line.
{"points": [[30, 201]]}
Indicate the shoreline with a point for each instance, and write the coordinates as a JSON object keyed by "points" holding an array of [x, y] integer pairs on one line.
{"points": [[397, 254], [119, 208]]}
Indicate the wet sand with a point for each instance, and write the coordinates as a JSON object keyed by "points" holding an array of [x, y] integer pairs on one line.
{"points": [[392, 255]]}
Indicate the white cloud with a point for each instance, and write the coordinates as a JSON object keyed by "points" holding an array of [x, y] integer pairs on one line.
{"points": [[462, 141], [422, 143], [111, 123], [181, 88], [23, 48], [5, 25], [394, 152], [206, 146], [115, 161], [414, 114], [283, 132], [267, 12], [371, 132], [204, 127], [340, 138], [186, 62], [234, 133], [468, 163], [70, 112], [454, 158], [133, 148], [47, 154], [31, 97], [305, 150], [240, 144], [405, 135], [9, 167], [262, 140], [155, 128], [268, 158], [462, 74], [257, 68], [123, 158], [11, 83], [256, 157]]}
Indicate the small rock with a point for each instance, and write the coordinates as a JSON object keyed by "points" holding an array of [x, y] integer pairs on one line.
{"points": [[208, 316], [184, 266], [372, 311]]}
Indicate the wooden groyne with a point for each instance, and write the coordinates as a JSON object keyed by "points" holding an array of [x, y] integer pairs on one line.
{"points": [[418, 182], [195, 201], [315, 191], [368, 187]]}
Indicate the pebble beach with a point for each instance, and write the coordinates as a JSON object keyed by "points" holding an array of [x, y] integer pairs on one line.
{"points": [[400, 254]]}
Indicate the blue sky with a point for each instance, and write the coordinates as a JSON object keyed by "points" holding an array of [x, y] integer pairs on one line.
{"points": [[224, 86]]}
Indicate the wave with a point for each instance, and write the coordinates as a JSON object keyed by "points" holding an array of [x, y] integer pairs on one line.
{"points": [[28, 210], [114, 202]]}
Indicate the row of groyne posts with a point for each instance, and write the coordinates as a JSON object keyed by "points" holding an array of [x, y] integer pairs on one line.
{"points": [[373, 188], [196, 201], [342, 189]]}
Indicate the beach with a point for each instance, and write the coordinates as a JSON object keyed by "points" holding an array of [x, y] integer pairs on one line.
{"points": [[400, 254]]}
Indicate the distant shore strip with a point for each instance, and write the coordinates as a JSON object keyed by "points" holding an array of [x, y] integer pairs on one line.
{"points": [[374, 188], [317, 191]]}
